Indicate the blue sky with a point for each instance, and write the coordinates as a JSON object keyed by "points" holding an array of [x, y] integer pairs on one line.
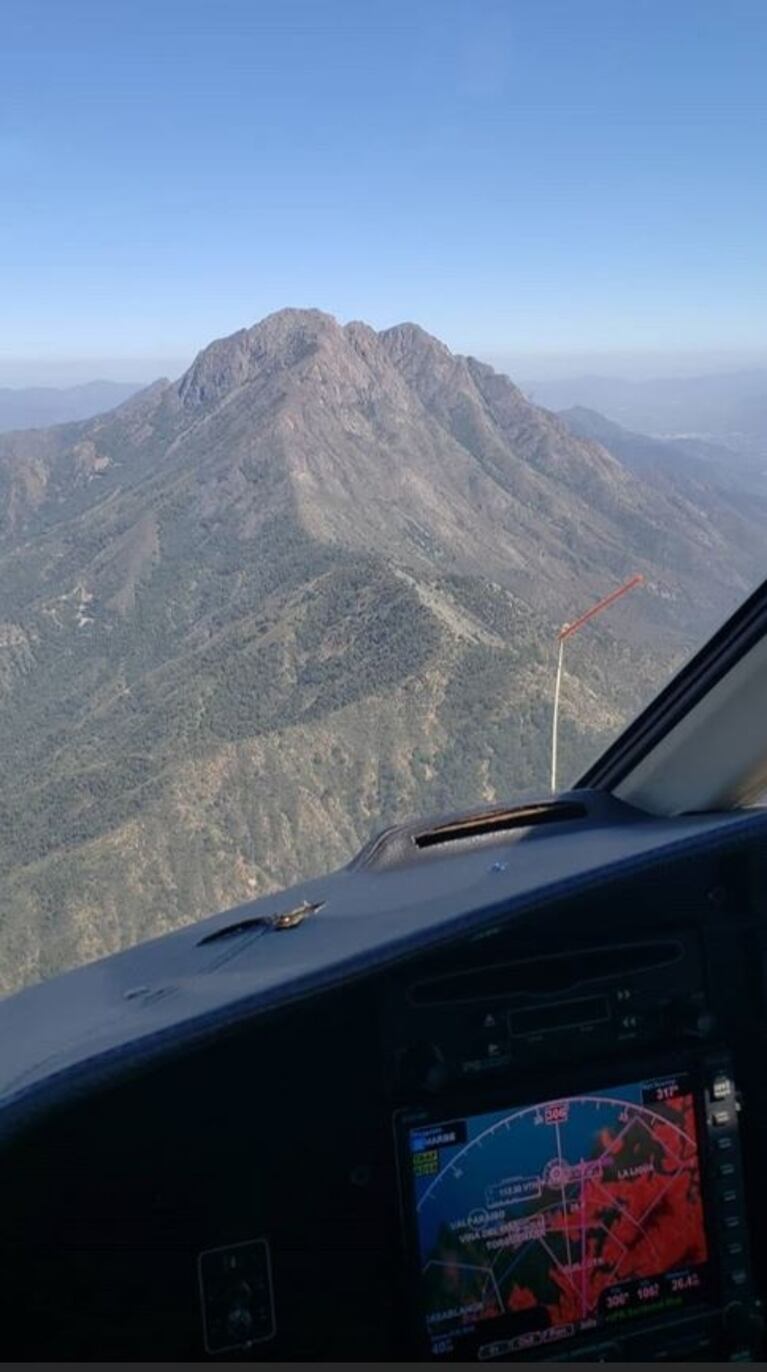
{"points": [[519, 176]]}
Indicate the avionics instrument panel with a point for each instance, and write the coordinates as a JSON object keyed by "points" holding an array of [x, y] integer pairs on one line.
{"points": [[534, 1225], [570, 1169], [543, 1140]]}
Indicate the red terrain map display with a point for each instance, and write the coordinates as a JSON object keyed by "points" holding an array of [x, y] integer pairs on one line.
{"points": [[538, 1223]]}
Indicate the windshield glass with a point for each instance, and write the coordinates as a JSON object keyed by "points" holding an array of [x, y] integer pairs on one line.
{"points": [[349, 353]]}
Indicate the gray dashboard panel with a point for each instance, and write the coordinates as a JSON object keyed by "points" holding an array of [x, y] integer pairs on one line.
{"points": [[79, 1029]]}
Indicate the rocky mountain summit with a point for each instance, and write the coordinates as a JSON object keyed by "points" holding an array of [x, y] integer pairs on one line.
{"points": [[313, 585]]}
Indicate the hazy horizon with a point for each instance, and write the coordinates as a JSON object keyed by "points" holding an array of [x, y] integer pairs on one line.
{"points": [[526, 368]]}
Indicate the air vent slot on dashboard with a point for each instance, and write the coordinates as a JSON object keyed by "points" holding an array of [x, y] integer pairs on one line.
{"points": [[546, 975], [497, 821]]}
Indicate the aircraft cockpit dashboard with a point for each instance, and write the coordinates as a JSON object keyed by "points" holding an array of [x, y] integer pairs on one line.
{"points": [[532, 1129]]}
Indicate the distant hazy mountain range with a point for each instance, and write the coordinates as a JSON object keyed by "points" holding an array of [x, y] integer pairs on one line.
{"points": [[249, 616], [35, 407], [685, 459], [728, 409]]}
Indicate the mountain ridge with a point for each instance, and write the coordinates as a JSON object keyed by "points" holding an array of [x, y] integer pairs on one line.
{"points": [[309, 587]]}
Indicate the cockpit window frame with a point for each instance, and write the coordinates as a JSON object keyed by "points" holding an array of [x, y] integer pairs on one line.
{"points": [[729, 646]]}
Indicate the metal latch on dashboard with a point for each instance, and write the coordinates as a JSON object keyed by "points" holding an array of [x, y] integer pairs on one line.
{"points": [[285, 919]]}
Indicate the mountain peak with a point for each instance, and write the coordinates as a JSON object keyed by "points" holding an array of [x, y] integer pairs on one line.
{"points": [[289, 335], [282, 324], [278, 340], [411, 338]]}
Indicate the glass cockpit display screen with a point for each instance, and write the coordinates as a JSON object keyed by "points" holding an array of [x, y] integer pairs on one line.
{"points": [[545, 1221]]}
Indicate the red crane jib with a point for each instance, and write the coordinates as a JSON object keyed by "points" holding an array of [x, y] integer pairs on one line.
{"points": [[569, 629]]}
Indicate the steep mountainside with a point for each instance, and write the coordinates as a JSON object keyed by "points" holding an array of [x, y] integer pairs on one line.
{"points": [[636, 451], [687, 462], [247, 617]]}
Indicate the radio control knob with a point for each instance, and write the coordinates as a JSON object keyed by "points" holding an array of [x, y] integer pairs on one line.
{"points": [[744, 1327], [424, 1067], [696, 1022], [239, 1323]]}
